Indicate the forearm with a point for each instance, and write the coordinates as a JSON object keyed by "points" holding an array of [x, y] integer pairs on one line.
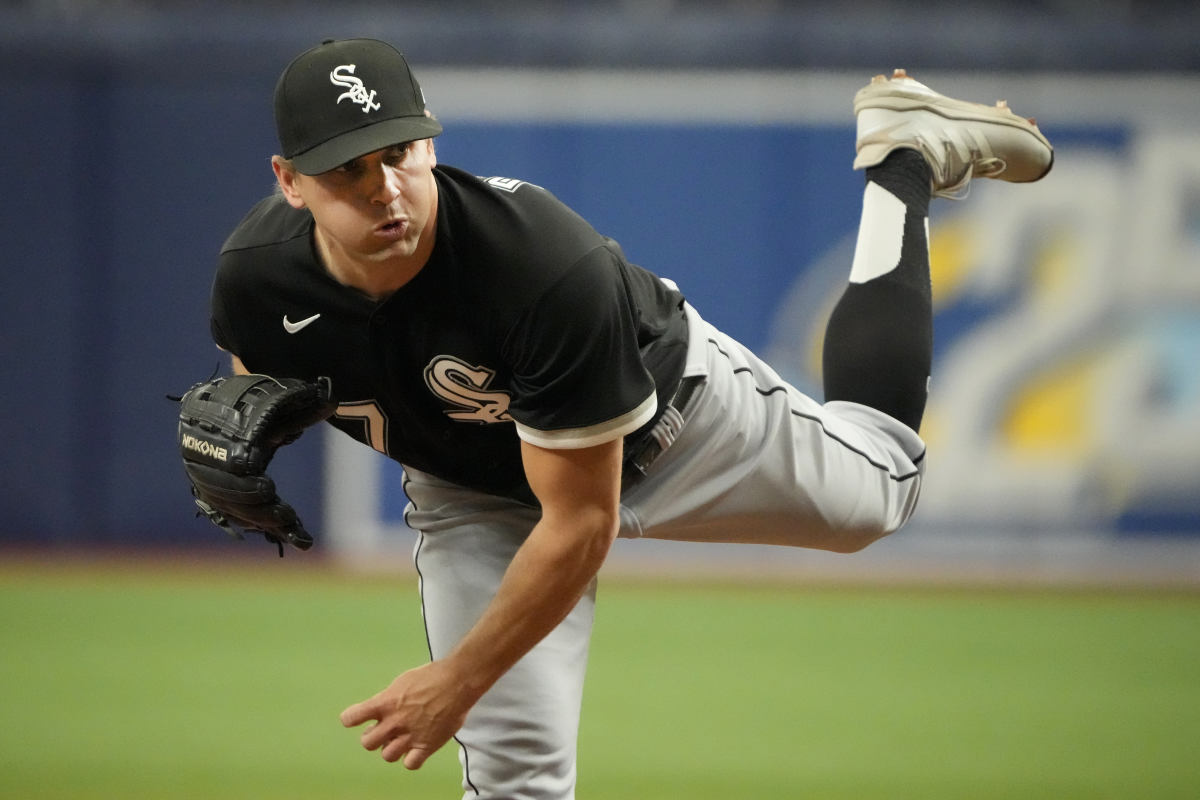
{"points": [[545, 580]]}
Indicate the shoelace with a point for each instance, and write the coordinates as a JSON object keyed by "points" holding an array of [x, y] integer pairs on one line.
{"points": [[976, 168]]}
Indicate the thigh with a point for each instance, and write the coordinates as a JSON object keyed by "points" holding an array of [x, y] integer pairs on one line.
{"points": [[519, 741], [760, 462]]}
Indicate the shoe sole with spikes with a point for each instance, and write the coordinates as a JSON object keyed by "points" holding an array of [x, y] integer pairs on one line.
{"points": [[959, 139]]}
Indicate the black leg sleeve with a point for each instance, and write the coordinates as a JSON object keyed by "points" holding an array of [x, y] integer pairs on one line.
{"points": [[879, 340]]}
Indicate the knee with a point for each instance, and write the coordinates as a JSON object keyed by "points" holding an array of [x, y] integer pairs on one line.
{"points": [[856, 540], [869, 522]]}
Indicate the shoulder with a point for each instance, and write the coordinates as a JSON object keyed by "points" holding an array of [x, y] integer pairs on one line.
{"points": [[510, 211], [511, 238], [271, 244], [272, 221]]}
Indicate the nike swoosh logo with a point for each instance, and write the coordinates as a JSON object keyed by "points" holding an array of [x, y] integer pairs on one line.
{"points": [[295, 327]]}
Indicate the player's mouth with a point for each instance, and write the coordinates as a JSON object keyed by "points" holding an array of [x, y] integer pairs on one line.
{"points": [[392, 229]]}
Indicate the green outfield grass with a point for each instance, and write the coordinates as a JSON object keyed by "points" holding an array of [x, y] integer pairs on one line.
{"points": [[158, 681]]}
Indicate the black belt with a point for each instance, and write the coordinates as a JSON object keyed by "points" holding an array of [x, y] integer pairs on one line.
{"points": [[662, 435]]}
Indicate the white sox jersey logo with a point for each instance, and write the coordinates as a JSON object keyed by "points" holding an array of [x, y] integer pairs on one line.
{"points": [[465, 388], [356, 91]]}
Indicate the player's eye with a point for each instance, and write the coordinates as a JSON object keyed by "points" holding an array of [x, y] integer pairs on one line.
{"points": [[349, 169], [396, 154]]}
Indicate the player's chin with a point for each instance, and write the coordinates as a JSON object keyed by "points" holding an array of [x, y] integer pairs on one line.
{"points": [[382, 248]]}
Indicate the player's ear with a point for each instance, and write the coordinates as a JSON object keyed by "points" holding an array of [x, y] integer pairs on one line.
{"points": [[285, 176], [432, 153]]}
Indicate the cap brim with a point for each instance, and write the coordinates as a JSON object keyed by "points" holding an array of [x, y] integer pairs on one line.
{"points": [[368, 139]]}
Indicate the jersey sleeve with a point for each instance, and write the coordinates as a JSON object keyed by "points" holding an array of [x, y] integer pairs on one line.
{"points": [[578, 376], [219, 326], [221, 320]]}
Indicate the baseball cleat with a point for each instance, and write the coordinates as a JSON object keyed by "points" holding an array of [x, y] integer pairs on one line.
{"points": [[960, 140]]}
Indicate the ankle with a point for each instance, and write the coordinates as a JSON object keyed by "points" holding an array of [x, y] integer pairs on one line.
{"points": [[906, 174]]}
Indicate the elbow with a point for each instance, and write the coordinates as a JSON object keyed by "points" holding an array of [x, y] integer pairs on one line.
{"points": [[586, 536], [602, 532]]}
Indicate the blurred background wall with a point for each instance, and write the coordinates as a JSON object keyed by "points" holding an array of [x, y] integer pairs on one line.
{"points": [[713, 139]]}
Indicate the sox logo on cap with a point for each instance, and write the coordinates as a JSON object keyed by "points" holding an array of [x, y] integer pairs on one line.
{"points": [[356, 91]]}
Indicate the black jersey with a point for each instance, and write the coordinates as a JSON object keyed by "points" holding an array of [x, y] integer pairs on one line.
{"points": [[525, 323]]}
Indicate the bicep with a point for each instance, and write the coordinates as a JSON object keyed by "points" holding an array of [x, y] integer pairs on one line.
{"points": [[574, 485]]}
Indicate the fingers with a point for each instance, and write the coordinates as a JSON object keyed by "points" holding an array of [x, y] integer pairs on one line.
{"points": [[377, 736], [359, 713], [414, 717], [395, 750], [394, 743], [399, 749], [416, 757]]}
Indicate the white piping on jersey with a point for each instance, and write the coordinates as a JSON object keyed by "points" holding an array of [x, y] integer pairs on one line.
{"points": [[575, 438]]}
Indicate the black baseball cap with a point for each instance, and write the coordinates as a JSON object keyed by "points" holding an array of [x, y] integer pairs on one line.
{"points": [[342, 99]]}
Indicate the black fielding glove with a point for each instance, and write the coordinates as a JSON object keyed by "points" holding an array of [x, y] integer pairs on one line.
{"points": [[229, 430]]}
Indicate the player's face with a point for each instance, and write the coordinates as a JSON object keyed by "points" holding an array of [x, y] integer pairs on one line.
{"points": [[377, 207]]}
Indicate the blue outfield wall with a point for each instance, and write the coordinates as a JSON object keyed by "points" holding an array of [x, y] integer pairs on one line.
{"points": [[123, 181], [121, 184]]}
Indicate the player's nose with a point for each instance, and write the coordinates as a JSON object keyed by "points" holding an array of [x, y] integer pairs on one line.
{"points": [[385, 184]]}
